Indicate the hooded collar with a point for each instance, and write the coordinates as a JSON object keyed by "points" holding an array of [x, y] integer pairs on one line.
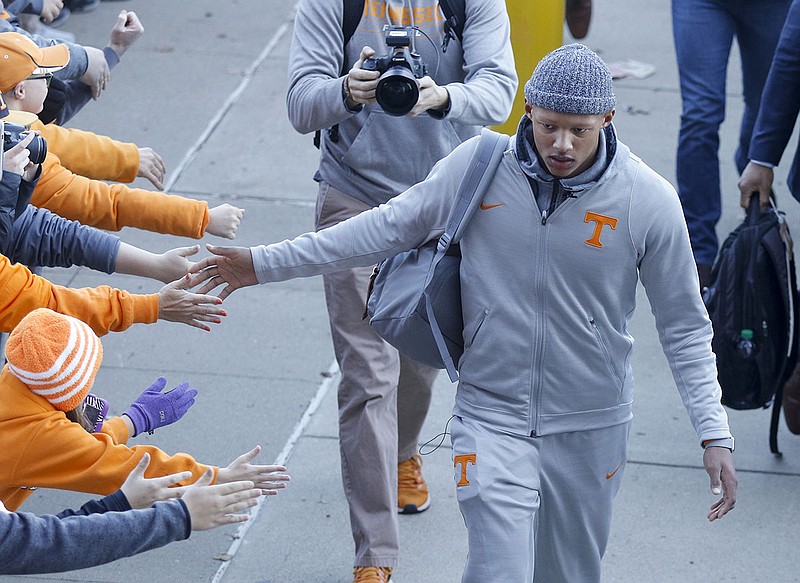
{"points": [[532, 165]]}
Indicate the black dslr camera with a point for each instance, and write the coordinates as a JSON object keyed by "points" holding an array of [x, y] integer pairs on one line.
{"points": [[397, 92], [13, 134]]}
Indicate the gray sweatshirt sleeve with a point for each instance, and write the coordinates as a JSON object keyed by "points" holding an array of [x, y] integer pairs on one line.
{"points": [[668, 273], [78, 62], [48, 544], [403, 223], [487, 93], [316, 56], [43, 239]]}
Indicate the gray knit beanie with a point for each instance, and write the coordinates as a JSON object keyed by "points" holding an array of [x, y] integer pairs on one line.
{"points": [[572, 79]]}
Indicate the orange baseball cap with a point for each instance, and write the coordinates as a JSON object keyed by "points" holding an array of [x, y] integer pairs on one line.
{"points": [[20, 58]]}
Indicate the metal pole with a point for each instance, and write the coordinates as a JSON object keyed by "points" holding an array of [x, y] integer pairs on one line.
{"points": [[537, 27]]}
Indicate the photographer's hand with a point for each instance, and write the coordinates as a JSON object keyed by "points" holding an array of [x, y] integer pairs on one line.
{"points": [[359, 85], [431, 96]]}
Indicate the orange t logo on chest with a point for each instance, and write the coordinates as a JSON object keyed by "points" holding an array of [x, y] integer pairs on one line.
{"points": [[464, 460], [600, 221]]}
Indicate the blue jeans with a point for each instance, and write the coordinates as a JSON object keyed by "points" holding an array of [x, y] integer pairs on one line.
{"points": [[703, 31]]}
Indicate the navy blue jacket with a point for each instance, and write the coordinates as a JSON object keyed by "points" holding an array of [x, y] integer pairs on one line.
{"points": [[36, 237], [100, 532], [780, 102]]}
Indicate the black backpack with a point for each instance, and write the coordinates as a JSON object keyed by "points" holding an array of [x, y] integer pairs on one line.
{"points": [[751, 303], [454, 14]]}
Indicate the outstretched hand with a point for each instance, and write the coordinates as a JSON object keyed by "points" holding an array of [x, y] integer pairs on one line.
{"points": [[154, 408], [224, 220], [718, 462], [127, 30], [231, 266], [97, 74], [212, 506], [151, 166], [265, 478], [177, 304], [143, 492]]}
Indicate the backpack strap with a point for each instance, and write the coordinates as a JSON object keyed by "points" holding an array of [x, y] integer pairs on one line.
{"points": [[351, 16], [352, 10], [454, 17], [480, 172]]}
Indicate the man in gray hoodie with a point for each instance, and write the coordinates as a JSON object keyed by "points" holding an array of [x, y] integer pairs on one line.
{"points": [[570, 223], [367, 156]]}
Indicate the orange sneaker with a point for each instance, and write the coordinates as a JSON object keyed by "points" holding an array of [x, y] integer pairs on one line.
{"points": [[372, 574], [412, 491]]}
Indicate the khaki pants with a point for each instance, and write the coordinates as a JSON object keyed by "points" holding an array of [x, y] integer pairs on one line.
{"points": [[383, 400]]}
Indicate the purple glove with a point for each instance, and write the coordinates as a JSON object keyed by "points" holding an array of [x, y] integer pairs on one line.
{"points": [[153, 409]]}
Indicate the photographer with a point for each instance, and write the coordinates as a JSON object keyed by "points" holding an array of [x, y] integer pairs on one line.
{"points": [[367, 156]]}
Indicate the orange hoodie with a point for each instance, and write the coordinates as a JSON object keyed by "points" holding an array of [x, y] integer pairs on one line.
{"points": [[89, 154], [105, 309], [72, 195], [41, 448]]}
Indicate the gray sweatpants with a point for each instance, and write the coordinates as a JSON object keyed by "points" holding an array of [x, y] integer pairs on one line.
{"points": [[383, 400], [542, 502]]}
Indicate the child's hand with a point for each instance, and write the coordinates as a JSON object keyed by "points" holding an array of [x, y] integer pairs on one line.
{"points": [[143, 492], [264, 477], [212, 506]]}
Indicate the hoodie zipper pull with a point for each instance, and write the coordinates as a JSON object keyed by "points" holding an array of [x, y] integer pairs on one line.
{"points": [[544, 216]]}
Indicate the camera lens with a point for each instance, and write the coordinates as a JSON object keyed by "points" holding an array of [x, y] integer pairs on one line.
{"points": [[397, 92], [38, 150]]}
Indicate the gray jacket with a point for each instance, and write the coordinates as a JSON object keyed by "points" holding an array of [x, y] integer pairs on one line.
{"points": [[378, 156], [546, 303]]}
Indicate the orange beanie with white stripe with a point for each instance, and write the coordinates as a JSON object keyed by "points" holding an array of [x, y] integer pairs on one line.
{"points": [[56, 356]]}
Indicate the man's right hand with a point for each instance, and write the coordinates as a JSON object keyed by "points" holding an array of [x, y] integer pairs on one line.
{"points": [[176, 304], [359, 84], [755, 178], [229, 266]]}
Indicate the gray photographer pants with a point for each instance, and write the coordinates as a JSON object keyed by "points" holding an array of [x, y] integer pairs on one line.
{"points": [[383, 400]]}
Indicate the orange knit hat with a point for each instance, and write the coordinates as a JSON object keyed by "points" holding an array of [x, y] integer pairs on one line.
{"points": [[56, 356]]}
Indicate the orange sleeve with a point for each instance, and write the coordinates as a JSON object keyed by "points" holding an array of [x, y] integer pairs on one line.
{"points": [[113, 206], [91, 155], [105, 309], [63, 455]]}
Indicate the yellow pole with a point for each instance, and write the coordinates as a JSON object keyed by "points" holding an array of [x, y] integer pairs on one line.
{"points": [[537, 27]]}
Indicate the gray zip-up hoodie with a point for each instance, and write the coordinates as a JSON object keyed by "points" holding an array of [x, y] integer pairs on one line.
{"points": [[546, 298], [378, 156]]}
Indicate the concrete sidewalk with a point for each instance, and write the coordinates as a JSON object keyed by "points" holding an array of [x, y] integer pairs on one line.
{"points": [[205, 87]]}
